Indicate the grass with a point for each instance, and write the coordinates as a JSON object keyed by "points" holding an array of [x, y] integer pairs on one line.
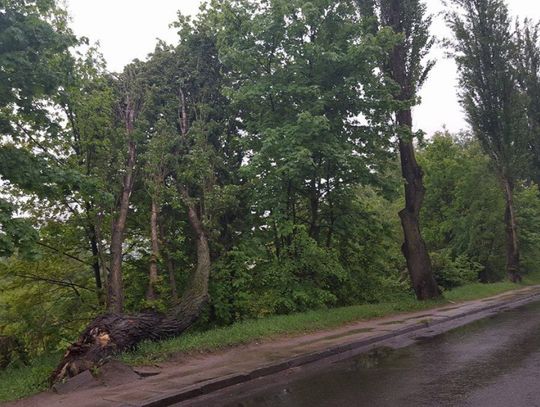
{"points": [[20, 382], [477, 291]]}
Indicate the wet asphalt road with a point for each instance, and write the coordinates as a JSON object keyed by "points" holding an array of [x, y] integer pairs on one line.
{"points": [[489, 363]]}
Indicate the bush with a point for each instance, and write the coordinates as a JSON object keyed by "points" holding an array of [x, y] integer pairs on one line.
{"points": [[453, 272]]}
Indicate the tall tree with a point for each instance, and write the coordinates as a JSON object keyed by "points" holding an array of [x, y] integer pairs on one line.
{"points": [[484, 49], [405, 66], [528, 65], [130, 106], [182, 94]]}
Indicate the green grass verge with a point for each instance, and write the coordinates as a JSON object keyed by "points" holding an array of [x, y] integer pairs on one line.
{"points": [[477, 291], [20, 382]]}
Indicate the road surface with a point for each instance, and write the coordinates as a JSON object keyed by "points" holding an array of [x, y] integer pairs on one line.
{"points": [[493, 362]]}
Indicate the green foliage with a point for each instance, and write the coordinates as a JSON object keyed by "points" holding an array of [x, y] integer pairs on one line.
{"points": [[484, 48], [304, 277], [15, 233], [34, 42], [232, 298], [528, 210], [460, 213], [34, 39], [38, 299], [527, 61], [450, 273], [462, 217], [497, 109], [23, 381], [272, 122]]}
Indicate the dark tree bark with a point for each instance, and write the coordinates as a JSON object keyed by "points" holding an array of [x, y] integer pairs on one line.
{"points": [[95, 261], [512, 240], [94, 246], [414, 248], [115, 286], [101, 250], [405, 68]]}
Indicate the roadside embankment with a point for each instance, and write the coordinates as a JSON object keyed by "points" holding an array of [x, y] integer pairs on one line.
{"points": [[210, 360]]}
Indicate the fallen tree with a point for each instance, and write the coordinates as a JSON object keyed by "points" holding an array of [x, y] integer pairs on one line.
{"points": [[112, 333]]}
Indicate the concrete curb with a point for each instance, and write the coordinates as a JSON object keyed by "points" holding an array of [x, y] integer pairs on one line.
{"points": [[231, 380]]}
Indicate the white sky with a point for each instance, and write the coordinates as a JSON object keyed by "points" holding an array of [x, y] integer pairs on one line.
{"points": [[128, 29]]}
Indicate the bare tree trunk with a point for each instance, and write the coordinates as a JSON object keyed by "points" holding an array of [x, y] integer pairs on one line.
{"points": [[115, 298], [153, 272], [196, 296], [414, 248], [512, 240]]}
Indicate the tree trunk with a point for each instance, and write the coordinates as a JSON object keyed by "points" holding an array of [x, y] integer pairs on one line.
{"points": [[404, 59], [153, 272], [115, 298], [512, 241], [102, 261], [95, 264], [112, 333], [414, 248], [314, 194]]}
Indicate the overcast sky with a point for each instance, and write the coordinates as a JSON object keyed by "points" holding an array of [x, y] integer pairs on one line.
{"points": [[128, 29]]}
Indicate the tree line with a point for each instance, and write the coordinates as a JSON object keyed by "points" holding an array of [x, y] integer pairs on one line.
{"points": [[266, 163]]}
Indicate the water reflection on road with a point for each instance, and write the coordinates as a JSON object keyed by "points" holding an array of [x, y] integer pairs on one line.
{"points": [[493, 362]]}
